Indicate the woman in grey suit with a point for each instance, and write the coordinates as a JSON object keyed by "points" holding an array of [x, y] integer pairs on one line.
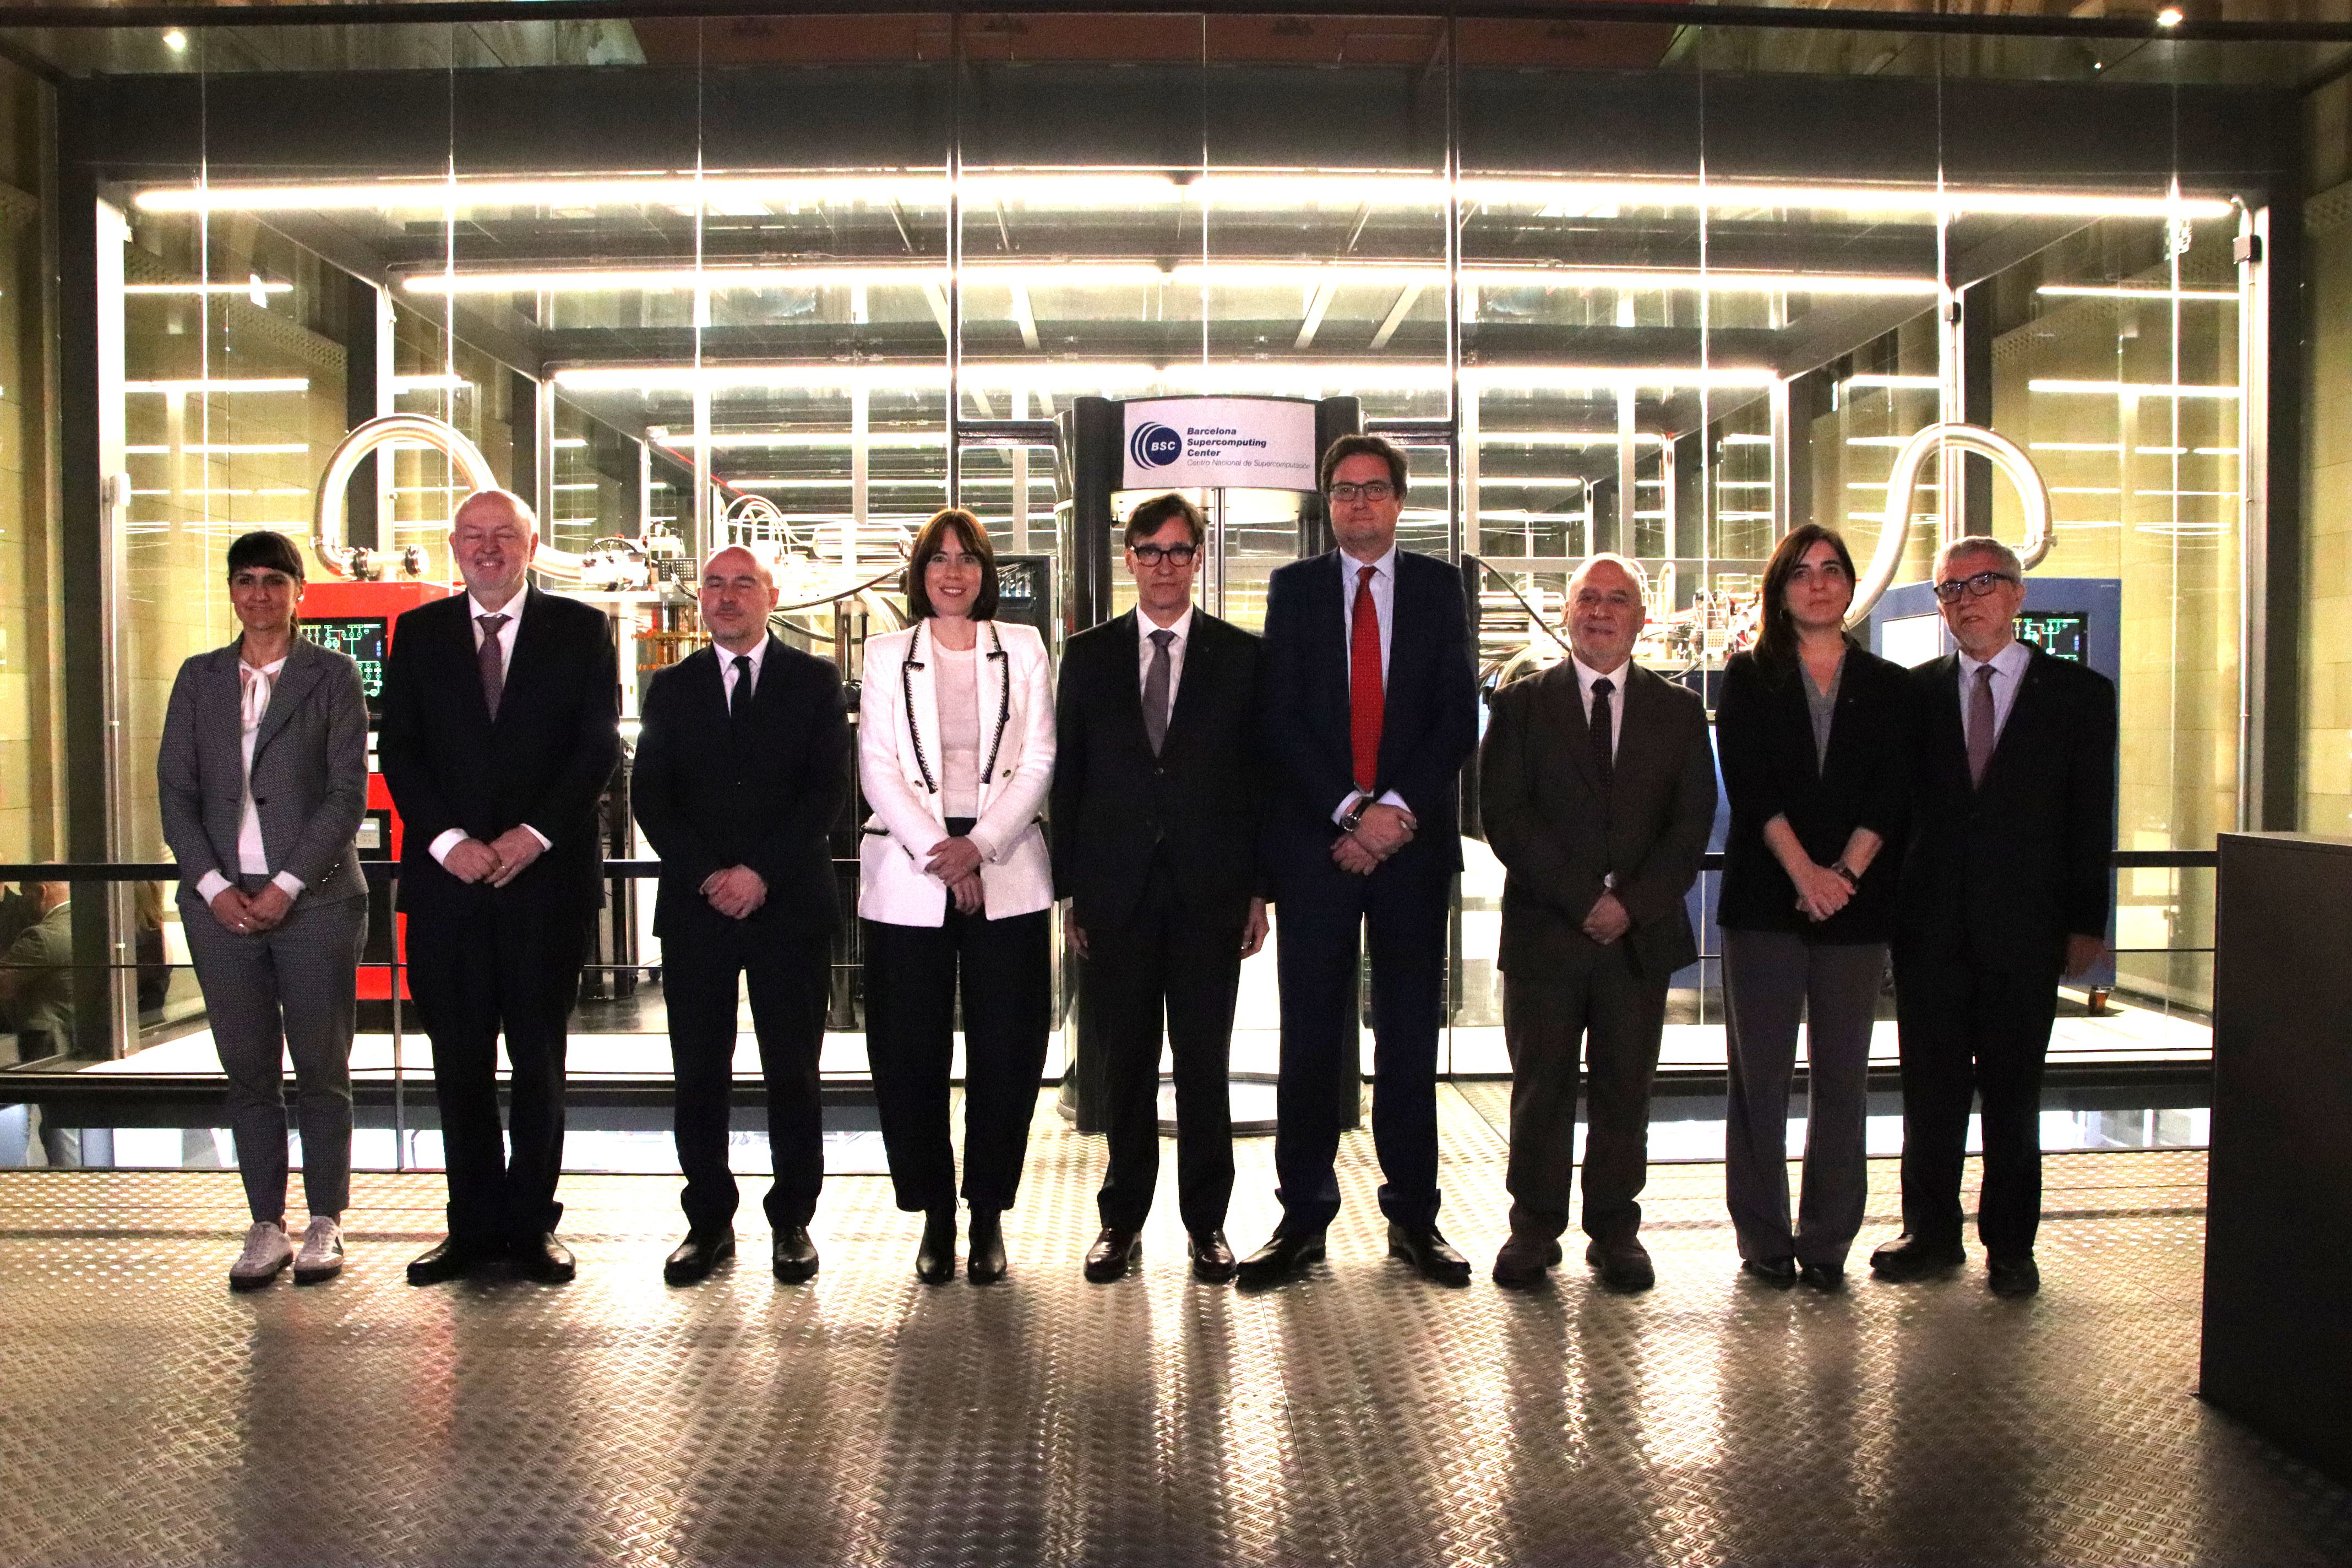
{"points": [[263, 780]]}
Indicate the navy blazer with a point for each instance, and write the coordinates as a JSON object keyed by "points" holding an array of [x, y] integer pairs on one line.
{"points": [[544, 762], [2004, 872], [1429, 721]]}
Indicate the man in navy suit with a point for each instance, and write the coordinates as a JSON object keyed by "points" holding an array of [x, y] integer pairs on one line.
{"points": [[500, 733], [1369, 709], [742, 764]]}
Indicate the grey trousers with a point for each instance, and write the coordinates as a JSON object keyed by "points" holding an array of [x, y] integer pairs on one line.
{"points": [[1771, 981], [290, 991], [1595, 1006]]}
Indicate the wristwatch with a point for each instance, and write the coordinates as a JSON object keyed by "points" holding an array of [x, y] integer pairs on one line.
{"points": [[1846, 871], [1355, 814]]}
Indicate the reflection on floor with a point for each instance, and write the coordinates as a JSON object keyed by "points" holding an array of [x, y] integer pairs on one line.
{"points": [[1361, 1418]]}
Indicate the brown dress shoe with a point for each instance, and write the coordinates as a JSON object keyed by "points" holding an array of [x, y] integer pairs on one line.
{"points": [[1524, 1262], [1212, 1256], [1114, 1253]]}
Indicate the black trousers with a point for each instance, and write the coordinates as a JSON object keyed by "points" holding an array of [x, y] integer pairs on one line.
{"points": [[1965, 1031], [486, 966], [1323, 917], [912, 975], [788, 974], [1592, 1005], [1166, 967]]}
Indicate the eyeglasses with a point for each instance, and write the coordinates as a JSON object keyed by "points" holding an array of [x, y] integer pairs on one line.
{"points": [[1377, 490], [1176, 555], [1977, 587], [955, 561]]}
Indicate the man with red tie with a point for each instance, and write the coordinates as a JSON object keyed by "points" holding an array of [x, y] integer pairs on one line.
{"points": [[1369, 707]]}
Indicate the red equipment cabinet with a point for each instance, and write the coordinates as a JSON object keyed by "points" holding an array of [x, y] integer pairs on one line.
{"points": [[361, 619]]}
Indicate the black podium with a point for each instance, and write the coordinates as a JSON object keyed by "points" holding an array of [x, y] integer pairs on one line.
{"points": [[2278, 1235]]}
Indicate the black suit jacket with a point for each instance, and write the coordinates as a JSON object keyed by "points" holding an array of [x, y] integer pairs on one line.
{"points": [[2000, 874], [1557, 833], [1429, 722], [711, 795], [544, 762], [1113, 801], [1764, 735]]}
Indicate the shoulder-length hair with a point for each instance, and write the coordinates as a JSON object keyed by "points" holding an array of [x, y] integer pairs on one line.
{"points": [[952, 525], [1776, 642]]}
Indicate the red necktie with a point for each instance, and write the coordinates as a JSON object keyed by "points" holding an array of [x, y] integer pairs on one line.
{"points": [[1364, 700]]}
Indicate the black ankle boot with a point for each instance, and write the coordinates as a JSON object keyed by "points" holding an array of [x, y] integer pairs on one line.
{"points": [[935, 1260], [987, 1265]]}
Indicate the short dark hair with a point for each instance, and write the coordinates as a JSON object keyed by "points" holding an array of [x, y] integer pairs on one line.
{"points": [[268, 548], [931, 540], [1776, 640], [1154, 515], [1347, 446]]}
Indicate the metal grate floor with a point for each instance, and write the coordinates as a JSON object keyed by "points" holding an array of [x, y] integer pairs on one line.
{"points": [[150, 1416]]}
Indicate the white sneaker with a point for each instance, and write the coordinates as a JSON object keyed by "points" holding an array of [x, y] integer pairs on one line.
{"points": [[321, 1257], [266, 1251]]}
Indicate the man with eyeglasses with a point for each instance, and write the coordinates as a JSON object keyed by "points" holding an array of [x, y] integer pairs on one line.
{"points": [[1155, 807], [2005, 889], [1370, 709]]}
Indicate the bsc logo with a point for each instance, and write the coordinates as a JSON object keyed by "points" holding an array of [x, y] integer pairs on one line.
{"points": [[1155, 446]]}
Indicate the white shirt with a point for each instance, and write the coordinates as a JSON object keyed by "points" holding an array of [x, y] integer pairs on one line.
{"points": [[2008, 668], [1145, 648], [474, 611], [255, 683], [1384, 607], [758, 655], [1585, 676]]}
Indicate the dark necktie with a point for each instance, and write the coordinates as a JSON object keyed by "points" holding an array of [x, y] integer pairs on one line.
{"points": [[491, 662], [1364, 699], [1983, 726], [1605, 745], [739, 701], [1155, 690]]}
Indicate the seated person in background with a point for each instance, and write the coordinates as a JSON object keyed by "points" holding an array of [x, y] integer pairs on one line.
{"points": [[36, 974], [17, 912], [153, 956]]}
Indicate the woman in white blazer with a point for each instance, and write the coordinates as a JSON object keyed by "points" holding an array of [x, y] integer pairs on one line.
{"points": [[955, 754]]}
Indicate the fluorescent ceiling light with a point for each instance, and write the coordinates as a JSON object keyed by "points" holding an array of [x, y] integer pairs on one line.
{"points": [[2129, 291], [226, 449], [1639, 279], [1563, 439], [1904, 382], [2129, 388], [1923, 201], [1488, 377], [247, 288], [467, 195], [224, 384]]}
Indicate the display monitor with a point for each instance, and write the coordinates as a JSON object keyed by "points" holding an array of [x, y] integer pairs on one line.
{"points": [[360, 637], [2063, 634]]}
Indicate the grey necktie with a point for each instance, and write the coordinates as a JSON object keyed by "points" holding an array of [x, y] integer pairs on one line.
{"points": [[492, 662], [1155, 690], [1983, 727]]}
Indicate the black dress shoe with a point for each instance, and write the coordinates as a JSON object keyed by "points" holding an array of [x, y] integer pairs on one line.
{"points": [[692, 1260], [1432, 1256], [986, 1265], [1909, 1257], [1623, 1266], [1823, 1275], [935, 1260], [544, 1258], [2013, 1276], [450, 1259], [1524, 1262], [1212, 1255], [1115, 1252], [1282, 1258], [1780, 1273], [794, 1256]]}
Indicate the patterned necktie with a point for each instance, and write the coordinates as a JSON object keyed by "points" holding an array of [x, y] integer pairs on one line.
{"points": [[1364, 697], [1155, 690], [739, 701], [491, 662], [1983, 727], [1601, 725]]}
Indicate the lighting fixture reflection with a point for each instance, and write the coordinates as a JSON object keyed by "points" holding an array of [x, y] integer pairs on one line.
{"points": [[248, 287], [224, 384], [2129, 388], [1893, 382], [2130, 291]]}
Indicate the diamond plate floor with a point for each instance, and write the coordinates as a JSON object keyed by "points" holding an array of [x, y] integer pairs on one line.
{"points": [[150, 1417]]}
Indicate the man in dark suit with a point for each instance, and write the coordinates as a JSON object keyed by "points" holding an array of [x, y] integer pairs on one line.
{"points": [[1597, 790], [1369, 709], [499, 737], [2006, 887], [741, 767], [1154, 808]]}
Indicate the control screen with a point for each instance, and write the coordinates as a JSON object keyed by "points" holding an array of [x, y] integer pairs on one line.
{"points": [[360, 637], [2063, 634]]}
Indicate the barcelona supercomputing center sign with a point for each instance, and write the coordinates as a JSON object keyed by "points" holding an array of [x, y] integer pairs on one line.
{"points": [[1253, 443]]}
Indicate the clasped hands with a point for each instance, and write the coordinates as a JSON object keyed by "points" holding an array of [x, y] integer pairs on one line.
{"points": [[254, 915], [1381, 832], [956, 862], [1820, 892], [498, 862]]}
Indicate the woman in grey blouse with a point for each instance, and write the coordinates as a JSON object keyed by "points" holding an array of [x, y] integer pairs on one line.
{"points": [[262, 780], [1814, 734]]}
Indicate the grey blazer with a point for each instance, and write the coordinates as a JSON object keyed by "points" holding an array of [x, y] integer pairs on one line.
{"points": [[310, 770]]}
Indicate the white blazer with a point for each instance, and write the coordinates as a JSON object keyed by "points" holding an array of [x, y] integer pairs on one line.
{"points": [[898, 765]]}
